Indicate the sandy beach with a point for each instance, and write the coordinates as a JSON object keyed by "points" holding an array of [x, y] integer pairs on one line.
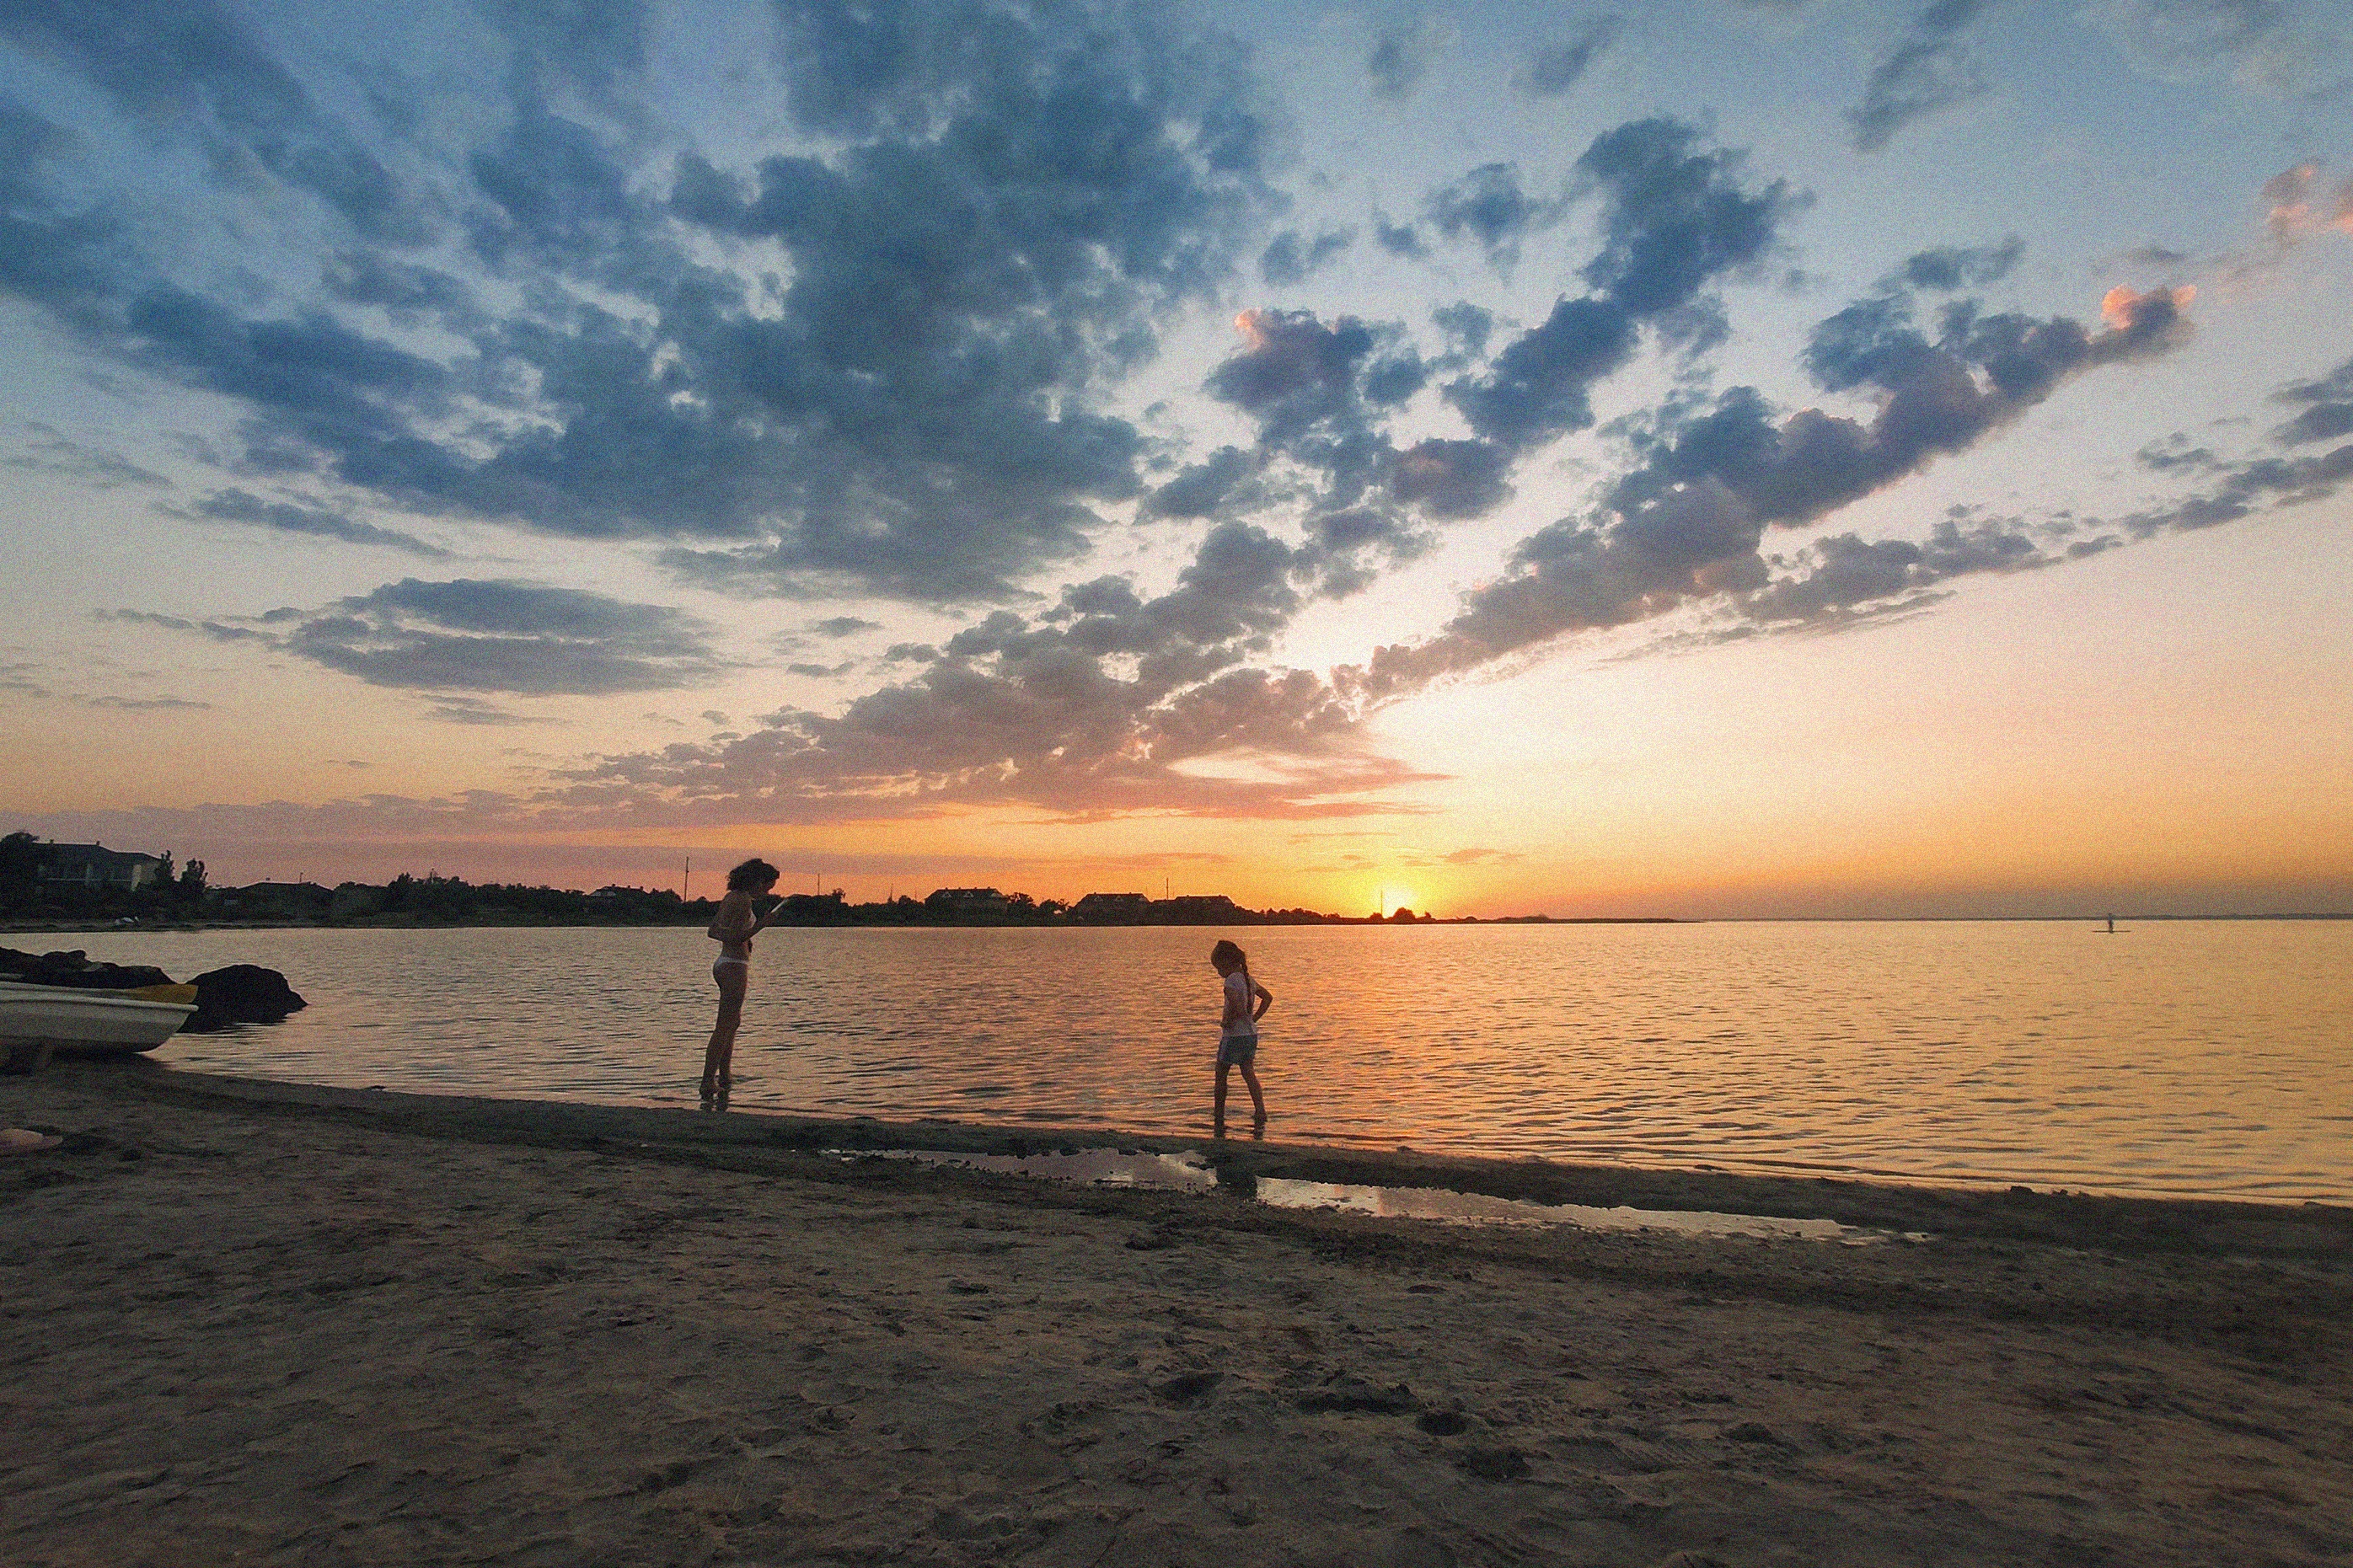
{"points": [[256, 1323]]}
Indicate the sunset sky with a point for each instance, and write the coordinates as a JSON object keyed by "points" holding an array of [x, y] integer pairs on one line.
{"points": [[1735, 458]]}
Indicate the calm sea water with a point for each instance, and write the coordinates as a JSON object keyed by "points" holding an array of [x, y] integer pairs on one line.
{"points": [[2211, 1058]]}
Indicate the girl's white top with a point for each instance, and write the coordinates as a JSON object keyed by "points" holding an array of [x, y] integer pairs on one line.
{"points": [[1237, 984]]}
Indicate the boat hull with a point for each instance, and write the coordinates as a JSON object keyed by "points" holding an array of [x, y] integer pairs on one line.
{"points": [[44, 1018]]}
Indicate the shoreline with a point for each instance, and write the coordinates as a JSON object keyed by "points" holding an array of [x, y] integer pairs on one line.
{"points": [[1537, 1178], [254, 1322], [754, 1139]]}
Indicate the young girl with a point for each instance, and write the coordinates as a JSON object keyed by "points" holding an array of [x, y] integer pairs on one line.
{"points": [[733, 928], [1246, 1003]]}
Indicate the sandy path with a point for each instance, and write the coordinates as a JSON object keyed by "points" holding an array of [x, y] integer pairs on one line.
{"points": [[281, 1336]]}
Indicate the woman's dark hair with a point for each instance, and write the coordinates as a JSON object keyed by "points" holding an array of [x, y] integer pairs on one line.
{"points": [[1227, 953], [751, 875]]}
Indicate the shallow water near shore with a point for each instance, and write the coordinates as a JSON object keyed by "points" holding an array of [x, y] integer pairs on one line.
{"points": [[2183, 1058], [1191, 1173]]}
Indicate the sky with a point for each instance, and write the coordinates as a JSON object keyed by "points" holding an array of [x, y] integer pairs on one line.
{"points": [[1726, 459]]}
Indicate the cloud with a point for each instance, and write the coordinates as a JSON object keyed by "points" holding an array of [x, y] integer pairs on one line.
{"points": [[1953, 266], [471, 636], [1488, 204], [1557, 64], [2301, 204], [448, 708], [1674, 219], [218, 631], [93, 468], [1926, 73], [1106, 702], [149, 704], [2294, 49], [1289, 257], [187, 69], [295, 517], [1402, 55], [1684, 525], [2325, 409], [823, 671], [881, 363], [499, 635], [1401, 239], [845, 626]]}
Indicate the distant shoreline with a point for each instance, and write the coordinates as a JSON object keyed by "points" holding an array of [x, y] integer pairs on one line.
{"points": [[88, 928]]}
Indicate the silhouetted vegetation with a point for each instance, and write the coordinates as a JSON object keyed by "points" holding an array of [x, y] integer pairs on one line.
{"points": [[433, 900]]}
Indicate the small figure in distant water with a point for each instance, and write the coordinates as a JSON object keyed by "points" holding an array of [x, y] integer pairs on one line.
{"points": [[2112, 926], [733, 928], [1246, 1003]]}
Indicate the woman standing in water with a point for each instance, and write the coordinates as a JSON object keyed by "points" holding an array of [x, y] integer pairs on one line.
{"points": [[733, 928]]}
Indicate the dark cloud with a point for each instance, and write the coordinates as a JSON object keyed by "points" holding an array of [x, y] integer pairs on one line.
{"points": [[1537, 386], [1954, 266], [218, 631], [1488, 204], [1558, 63], [298, 517], [497, 636], [149, 704], [1685, 524], [1467, 328], [1009, 205], [2327, 407], [1202, 488], [845, 625], [446, 709], [1290, 257], [1398, 238], [1674, 217], [1926, 73], [1402, 56], [65, 259], [823, 671], [93, 468], [188, 68], [474, 635], [406, 292], [1452, 478]]}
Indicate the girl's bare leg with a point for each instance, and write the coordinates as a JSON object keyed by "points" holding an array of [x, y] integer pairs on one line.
{"points": [[719, 1057], [1257, 1100], [1217, 1111]]}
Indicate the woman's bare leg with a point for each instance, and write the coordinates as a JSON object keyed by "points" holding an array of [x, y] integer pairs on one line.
{"points": [[719, 1057]]}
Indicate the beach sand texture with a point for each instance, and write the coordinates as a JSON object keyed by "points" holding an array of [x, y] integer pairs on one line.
{"points": [[256, 1324]]}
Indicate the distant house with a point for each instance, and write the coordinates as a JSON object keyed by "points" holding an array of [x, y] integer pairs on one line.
{"points": [[94, 866], [1109, 907], [1198, 908], [967, 902]]}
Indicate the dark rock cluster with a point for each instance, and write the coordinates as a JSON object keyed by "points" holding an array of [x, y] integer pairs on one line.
{"points": [[238, 994], [76, 969]]}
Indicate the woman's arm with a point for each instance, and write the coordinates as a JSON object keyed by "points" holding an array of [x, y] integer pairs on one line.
{"points": [[734, 921]]}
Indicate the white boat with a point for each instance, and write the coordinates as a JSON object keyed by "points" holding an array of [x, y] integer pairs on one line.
{"points": [[37, 1019]]}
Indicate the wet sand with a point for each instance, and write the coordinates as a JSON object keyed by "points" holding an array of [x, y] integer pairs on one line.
{"points": [[247, 1323]]}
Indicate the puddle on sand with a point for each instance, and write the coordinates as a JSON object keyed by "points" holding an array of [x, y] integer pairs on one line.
{"points": [[1130, 1168]]}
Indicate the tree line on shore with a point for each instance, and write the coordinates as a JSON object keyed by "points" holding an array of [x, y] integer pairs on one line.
{"points": [[184, 895]]}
